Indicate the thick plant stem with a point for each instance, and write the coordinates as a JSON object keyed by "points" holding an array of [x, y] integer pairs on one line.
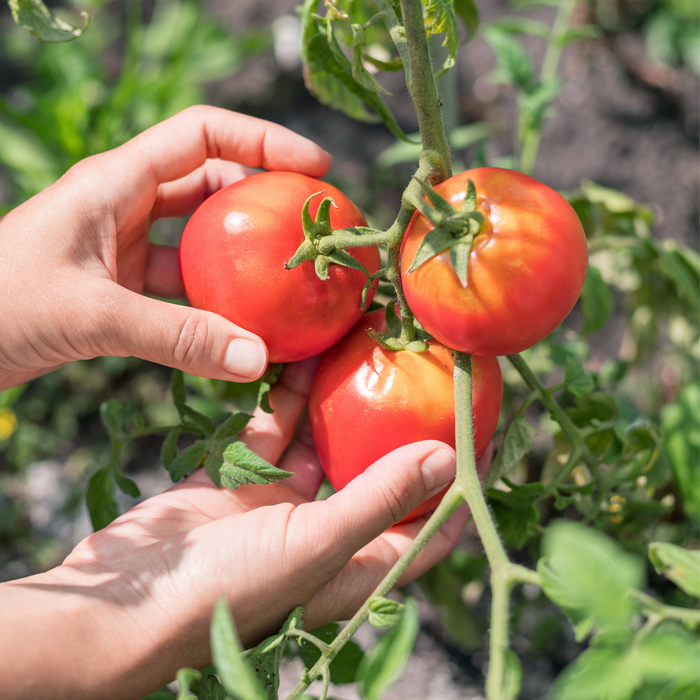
{"points": [[550, 65], [449, 504]]}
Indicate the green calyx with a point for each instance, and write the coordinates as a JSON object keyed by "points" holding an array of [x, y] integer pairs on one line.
{"points": [[453, 229], [394, 338]]}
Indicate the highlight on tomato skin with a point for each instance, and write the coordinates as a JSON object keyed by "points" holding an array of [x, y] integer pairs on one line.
{"points": [[232, 261], [366, 401], [525, 269]]}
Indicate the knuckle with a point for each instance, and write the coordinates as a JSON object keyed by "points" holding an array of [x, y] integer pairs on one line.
{"points": [[396, 500], [192, 340]]}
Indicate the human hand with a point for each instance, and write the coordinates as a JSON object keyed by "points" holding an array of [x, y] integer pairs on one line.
{"points": [[75, 260], [146, 585]]}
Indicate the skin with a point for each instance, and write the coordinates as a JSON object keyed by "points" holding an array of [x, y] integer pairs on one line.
{"points": [[525, 272], [366, 401], [232, 258], [85, 239], [132, 603]]}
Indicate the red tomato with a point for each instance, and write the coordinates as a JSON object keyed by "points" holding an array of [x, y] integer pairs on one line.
{"points": [[525, 272], [366, 401], [232, 257]]}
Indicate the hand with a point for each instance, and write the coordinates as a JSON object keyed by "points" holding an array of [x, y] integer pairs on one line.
{"points": [[75, 260], [138, 595]]}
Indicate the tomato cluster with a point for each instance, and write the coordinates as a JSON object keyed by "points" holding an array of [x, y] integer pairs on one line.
{"points": [[492, 270]]}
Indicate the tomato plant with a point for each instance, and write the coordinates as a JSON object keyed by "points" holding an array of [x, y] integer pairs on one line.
{"points": [[232, 261], [522, 274], [366, 401]]}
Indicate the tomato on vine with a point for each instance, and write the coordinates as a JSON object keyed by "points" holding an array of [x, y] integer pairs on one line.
{"points": [[366, 401], [496, 265], [234, 254]]}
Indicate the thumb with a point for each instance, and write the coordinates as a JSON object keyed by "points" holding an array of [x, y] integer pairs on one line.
{"points": [[198, 342], [383, 495]]}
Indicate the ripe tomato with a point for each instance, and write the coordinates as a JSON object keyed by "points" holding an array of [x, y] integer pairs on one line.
{"points": [[525, 270], [366, 401], [232, 257]]}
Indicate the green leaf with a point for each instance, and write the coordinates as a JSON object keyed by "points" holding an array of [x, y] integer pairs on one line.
{"points": [[242, 466], [436, 240], [462, 137], [516, 444], [36, 18], [328, 75], [100, 499], [126, 485], [204, 423], [111, 413], [393, 322], [168, 451], [589, 576], [577, 380], [459, 257], [468, 12], [440, 18], [236, 675], [580, 31], [187, 460], [185, 678], [682, 566], [233, 423], [359, 72], [515, 511], [344, 666], [209, 688], [265, 659], [599, 407], [384, 612], [385, 661], [269, 379], [596, 301], [680, 421], [514, 65]]}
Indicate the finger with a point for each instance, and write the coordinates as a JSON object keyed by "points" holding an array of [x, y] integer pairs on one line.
{"points": [[162, 277], [302, 460], [176, 147], [269, 434], [124, 323], [343, 596], [183, 196], [377, 499]]}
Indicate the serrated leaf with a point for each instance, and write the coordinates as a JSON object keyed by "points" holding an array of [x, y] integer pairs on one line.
{"points": [[232, 425], [185, 677], [209, 688], [204, 423], [37, 19], [242, 466], [589, 576], [384, 612], [100, 499], [269, 379], [385, 661], [435, 242], [599, 406], [596, 301], [236, 675], [515, 512], [440, 18], [577, 380], [517, 441], [187, 460], [682, 566]]}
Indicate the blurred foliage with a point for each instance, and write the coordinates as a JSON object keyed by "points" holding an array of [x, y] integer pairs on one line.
{"points": [[123, 76]]}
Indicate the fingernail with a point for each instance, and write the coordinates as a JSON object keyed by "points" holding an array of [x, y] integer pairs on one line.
{"points": [[438, 469], [245, 358]]}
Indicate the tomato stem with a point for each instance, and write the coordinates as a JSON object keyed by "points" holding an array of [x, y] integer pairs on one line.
{"points": [[504, 574]]}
